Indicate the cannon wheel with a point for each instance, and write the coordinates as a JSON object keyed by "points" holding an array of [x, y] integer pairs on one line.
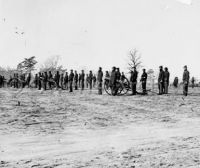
{"points": [[125, 87], [20, 82]]}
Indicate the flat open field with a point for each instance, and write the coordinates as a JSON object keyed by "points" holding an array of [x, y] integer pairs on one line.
{"points": [[73, 130]]}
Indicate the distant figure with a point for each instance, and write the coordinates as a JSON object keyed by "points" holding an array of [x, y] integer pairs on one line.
{"points": [[94, 79], [66, 80], [118, 74], [90, 77], [166, 80], [36, 81], [45, 80], [62, 81], [76, 80], [123, 77], [193, 81], [71, 78], [50, 78], [79, 80], [186, 78], [28, 80], [87, 80], [82, 79], [100, 80], [113, 81], [144, 81], [133, 80], [39, 81], [175, 83], [57, 79], [161, 81], [107, 79]]}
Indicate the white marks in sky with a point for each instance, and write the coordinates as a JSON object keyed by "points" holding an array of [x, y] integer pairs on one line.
{"points": [[186, 2]]}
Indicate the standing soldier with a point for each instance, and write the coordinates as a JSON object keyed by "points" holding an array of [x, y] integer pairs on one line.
{"points": [[100, 80], [118, 74], [50, 78], [186, 78], [113, 81], [166, 80], [192, 81], [144, 81], [90, 77], [61, 80], [66, 80], [133, 80], [45, 80], [76, 80], [82, 80], [175, 83], [28, 80], [161, 80], [79, 80], [94, 80], [39, 81], [71, 78], [123, 77], [57, 79], [36, 80], [107, 79], [87, 80]]}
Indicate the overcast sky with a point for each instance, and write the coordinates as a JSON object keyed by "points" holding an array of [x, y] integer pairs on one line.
{"points": [[93, 33]]}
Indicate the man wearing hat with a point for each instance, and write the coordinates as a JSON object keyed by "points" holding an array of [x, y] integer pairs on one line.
{"points": [[133, 80], [71, 78], [166, 80], [144, 81], [113, 81], [100, 80], [161, 80], [186, 78]]}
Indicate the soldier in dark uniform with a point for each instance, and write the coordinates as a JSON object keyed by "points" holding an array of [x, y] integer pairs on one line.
{"points": [[144, 81], [62, 81], [100, 80], [36, 80], [186, 78], [166, 80], [87, 80], [82, 80], [107, 79], [71, 78], [90, 77], [123, 77], [45, 80], [76, 80], [28, 80], [175, 83], [118, 74], [50, 78], [1, 81], [192, 81], [161, 80], [94, 79], [40, 81], [133, 80], [66, 80], [113, 81], [79, 80], [57, 79]]}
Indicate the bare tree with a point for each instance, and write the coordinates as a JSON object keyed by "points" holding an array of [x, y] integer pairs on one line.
{"points": [[52, 64], [134, 60]]}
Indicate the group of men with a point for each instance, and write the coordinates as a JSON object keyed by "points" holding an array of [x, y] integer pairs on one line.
{"points": [[74, 80], [65, 80]]}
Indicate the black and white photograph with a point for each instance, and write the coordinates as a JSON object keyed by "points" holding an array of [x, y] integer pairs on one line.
{"points": [[99, 83]]}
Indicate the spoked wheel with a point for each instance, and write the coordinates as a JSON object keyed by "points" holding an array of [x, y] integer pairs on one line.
{"points": [[125, 86], [107, 88], [53, 83]]}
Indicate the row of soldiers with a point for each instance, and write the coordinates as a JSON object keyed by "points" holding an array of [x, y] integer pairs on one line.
{"points": [[65, 81]]}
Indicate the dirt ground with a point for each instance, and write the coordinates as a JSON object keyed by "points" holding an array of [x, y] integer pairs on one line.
{"points": [[72, 130]]}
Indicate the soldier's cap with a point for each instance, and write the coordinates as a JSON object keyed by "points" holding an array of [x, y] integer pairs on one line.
{"points": [[160, 66], [100, 67], [185, 66], [144, 69], [114, 67]]}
